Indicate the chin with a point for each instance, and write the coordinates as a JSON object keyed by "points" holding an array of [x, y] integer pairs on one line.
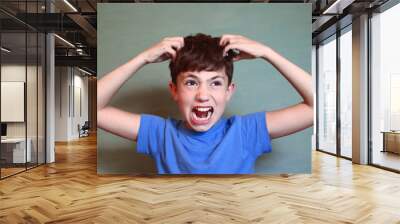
{"points": [[201, 129]]}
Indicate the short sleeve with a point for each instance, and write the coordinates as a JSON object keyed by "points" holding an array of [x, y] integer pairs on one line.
{"points": [[255, 133], [151, 134]]}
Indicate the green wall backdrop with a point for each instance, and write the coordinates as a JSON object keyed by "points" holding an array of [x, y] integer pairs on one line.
{"points": [[125, 30]]}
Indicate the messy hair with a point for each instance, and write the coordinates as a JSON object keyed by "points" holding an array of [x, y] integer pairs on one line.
{"points": [[201, 53]]}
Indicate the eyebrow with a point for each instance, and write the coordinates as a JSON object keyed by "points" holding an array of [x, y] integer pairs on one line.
{"points": [[213, 78]]}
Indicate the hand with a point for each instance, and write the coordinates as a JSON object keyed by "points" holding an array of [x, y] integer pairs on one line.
{"points": [[248, 49], [164, 50]]}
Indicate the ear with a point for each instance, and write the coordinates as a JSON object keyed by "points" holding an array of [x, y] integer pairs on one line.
{"points": [[231, 89], [173, 90]]}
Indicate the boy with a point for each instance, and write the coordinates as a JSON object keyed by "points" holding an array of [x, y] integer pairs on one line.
{"points": [[201, 72]]}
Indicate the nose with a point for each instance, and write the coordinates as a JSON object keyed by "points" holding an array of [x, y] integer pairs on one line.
{"points": [[202, 94]]}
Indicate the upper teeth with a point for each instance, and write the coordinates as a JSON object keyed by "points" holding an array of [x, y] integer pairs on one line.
{"points": [[203, 109]]}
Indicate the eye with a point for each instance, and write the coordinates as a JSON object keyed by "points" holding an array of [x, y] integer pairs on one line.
{"points": [[190, 83], [216, 83]]}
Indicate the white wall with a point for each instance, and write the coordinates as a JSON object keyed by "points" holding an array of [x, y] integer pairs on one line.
{"points": [[33, 125], [61, 103], [12, 100], [80, 83], [14, 73], [17, 73], [71, 87]]}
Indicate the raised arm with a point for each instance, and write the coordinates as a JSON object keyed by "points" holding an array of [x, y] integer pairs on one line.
{"points": [[114, 120], [288, 120]]}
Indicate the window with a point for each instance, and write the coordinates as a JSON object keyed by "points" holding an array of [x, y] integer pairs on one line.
{"points": [[22, 64], [346, 92], [385, 88], [327, 95]]}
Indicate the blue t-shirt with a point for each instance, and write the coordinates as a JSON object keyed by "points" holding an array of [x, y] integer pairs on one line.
{"points": [[230, 146]]}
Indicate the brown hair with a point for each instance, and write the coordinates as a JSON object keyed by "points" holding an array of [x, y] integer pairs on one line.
{"points": [[201, 53]]}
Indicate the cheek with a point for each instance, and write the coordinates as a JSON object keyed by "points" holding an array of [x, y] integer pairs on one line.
{"points": [[222, 97], [184, 100], [221, 101]]}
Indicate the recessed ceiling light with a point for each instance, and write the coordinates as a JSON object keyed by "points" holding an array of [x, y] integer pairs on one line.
{"points": [[64, 40], [5, 49], [337, 7], [86, 72], [71, 6]]}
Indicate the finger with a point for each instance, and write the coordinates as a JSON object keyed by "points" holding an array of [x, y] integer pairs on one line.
{"points": [[241, 56], [176, 44], [234, 47], [171, 38], [175, 38], [230, 40], [179, 40], [224, 39], [171, 52], [227, 39], [236, 58], [168, 40]]}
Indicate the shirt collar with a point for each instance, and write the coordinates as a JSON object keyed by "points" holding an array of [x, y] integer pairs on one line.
{"points": [[216, 127]]}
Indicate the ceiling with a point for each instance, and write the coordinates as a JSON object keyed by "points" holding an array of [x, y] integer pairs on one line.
{"points": [[76, 22]]}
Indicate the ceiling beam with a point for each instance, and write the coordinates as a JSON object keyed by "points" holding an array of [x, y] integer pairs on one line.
{"points": [[85, 25], [337, 7], [84, 61]]}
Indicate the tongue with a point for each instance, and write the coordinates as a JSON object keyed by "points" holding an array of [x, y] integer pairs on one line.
{"points": [[201, 113]]}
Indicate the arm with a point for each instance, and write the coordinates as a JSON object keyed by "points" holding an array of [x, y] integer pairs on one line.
{"points": [[287, 120], [117, 121]]}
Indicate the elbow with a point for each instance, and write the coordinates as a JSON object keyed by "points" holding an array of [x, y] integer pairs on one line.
{"points": [[309, 102], [99, 118], [309, 113], [310, 107], [102, 117]]}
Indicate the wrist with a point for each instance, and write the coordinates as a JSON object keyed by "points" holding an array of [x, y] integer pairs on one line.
{"points": [[266, 53], [141, 59]]}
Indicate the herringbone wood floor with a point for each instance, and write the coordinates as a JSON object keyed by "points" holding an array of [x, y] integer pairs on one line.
{"points": [[70, 191]]}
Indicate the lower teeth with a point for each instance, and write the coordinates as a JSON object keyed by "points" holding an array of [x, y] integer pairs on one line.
{"points": [[203, 118]]}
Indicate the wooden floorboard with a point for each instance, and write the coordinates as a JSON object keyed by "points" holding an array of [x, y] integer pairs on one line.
{"points": [[70, 191]]}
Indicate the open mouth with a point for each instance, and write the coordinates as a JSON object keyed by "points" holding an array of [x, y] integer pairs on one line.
{"points": [[201, 114]]}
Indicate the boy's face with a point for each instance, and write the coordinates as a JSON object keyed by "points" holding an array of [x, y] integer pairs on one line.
{"points": [[201, 97]]}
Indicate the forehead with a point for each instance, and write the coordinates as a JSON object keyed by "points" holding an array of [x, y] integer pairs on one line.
{"points": [[203, 75]]}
